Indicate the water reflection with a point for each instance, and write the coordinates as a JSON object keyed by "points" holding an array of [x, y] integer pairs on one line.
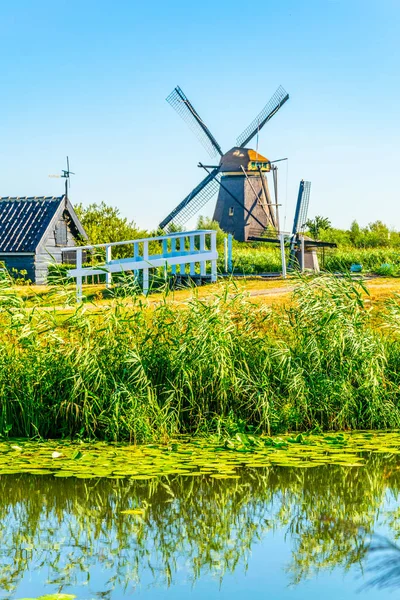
{"points": [[384, 564], [190, 528]]}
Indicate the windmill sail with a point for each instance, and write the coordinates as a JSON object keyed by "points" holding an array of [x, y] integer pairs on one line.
{"points": [[303, 200], [300, 217], [184, 108], [194, 201], [272, 107]]}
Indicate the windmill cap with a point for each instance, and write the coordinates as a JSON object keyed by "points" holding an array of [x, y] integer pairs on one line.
{"points": [[247, 158]]}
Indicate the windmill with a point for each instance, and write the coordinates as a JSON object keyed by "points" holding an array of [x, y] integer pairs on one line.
{"points": [[300, 215], [244, 205], [65, 173], [300, 218], [303, 250]]}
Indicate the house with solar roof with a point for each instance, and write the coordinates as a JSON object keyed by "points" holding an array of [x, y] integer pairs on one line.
{"points": [[33, 231]]}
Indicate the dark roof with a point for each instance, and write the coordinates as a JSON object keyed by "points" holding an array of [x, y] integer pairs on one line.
{"points": [[236, 157], [23, 221]]}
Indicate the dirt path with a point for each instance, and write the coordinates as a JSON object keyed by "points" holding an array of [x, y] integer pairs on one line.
{"points": [[262, 290], [272, 291]]}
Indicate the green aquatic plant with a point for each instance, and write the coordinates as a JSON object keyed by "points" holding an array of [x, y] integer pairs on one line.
{"points": [[52, 597], [191, 457]]}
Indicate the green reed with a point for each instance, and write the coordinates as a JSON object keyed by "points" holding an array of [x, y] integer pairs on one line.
{"points": [[132, 370], [263, 258]]}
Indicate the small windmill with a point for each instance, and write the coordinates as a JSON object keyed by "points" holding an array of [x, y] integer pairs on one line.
{"points": [[301, 213], [65, 173], [300, 218], [244, 205]]}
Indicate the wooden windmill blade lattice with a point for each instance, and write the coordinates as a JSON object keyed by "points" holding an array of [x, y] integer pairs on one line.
{"points": [[304, 207], [269, 110], [194, 201], [187, 112]]}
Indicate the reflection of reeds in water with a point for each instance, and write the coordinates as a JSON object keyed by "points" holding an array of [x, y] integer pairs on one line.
{"points": [[196, 526]]}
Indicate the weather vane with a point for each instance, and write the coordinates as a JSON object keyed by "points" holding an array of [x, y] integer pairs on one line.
{"points": [[65, 173]]}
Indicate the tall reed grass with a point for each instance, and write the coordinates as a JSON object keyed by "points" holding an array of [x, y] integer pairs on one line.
{"points": [[371, 259], [137, 371], [264, 258]]}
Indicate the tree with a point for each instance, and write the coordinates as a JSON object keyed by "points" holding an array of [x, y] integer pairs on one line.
{"points": [[318, 224], [207, 223], [104, 224], [377, 235], [355, 233]]}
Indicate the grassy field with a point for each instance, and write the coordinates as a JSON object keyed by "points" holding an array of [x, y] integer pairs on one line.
{"points": [[261, 290], [253, 356], [254, 258]]}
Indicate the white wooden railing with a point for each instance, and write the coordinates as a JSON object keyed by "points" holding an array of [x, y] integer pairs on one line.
{"points": [[178, 250]]}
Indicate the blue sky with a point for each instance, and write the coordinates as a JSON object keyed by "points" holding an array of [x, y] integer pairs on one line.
{"points": [[89, 79]]}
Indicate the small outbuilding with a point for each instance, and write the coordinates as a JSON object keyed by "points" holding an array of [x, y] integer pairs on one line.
{"points": [[33, 230]]}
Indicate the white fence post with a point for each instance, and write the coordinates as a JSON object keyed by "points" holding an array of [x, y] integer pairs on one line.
{"points": [[165, 254], [108, 259], [145, 269], [230, 264], [79, 275], [202, 249], [213, 236], [283, 256], [135, 255], [173, 250], [226, 253], [182, 249], [192, 249]]}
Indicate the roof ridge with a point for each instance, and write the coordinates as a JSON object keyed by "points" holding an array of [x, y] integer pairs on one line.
{"points": [[16, 198]]}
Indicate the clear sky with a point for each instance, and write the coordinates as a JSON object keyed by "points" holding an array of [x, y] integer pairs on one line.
{"points": [[89, 78]]}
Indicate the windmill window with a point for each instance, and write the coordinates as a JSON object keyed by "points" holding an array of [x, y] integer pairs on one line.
{"points": [[231, 211], [60, 233]]}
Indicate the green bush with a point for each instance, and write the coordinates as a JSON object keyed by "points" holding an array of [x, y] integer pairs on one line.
{"points": [[371, 259], [387, 270]]}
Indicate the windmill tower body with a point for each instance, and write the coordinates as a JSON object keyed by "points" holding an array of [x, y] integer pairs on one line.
{"points": [[235, 219], [244, 206]]}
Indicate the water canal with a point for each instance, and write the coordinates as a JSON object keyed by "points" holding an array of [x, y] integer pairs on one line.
{"points": [[274, 532]]}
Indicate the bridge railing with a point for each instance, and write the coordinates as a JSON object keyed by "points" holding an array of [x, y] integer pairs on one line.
{"points": [[177, 251]]}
